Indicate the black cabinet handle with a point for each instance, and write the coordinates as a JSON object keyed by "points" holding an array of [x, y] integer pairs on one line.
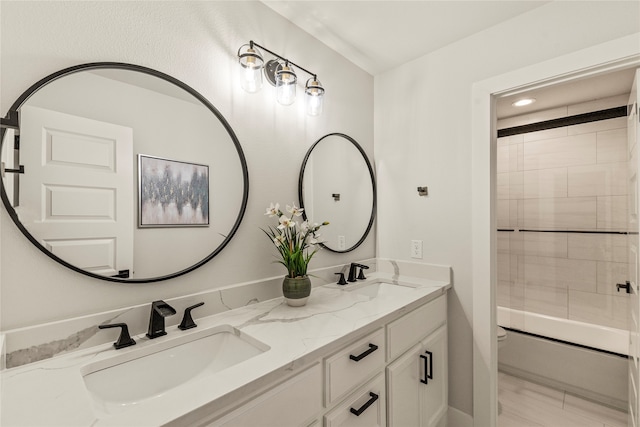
{"points": [[428, 370], [372, 348], [358, 412]]}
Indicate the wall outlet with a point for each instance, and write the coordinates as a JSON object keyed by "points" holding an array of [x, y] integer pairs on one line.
{"points": [[416, 249], [341, 243]]}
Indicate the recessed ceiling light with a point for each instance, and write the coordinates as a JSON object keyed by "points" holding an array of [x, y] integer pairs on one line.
{"points": [[523, 102]]}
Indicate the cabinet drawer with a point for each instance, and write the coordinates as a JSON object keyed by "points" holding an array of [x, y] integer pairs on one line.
{"points": [[353, 365], [366, 407], [404, 333], [293, 403]]}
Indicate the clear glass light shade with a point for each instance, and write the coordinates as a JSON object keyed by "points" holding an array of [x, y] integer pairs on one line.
{"points": [[285, 84], [314, 97], [251, 62]]}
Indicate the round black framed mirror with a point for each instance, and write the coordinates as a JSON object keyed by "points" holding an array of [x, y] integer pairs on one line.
{"points": [[122, 173], [337, 184]]}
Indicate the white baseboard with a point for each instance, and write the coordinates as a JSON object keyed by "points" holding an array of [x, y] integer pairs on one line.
{"points": [[456, 418]]}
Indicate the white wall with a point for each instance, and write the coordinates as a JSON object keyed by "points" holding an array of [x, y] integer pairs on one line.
{"points": [[423, 112], [197, 43]]}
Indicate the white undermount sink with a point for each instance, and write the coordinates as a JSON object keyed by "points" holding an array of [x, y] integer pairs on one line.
{"points": [[147, 372]]}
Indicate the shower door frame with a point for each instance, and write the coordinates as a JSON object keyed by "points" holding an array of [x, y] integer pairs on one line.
{"points": [[606, 57]]}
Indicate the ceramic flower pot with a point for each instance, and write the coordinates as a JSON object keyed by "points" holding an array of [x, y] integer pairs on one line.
{"points": [[296, 291]]}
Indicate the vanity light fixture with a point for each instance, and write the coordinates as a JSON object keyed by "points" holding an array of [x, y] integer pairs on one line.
{"points": [[251, 61], [279, 73], [523, 102]]}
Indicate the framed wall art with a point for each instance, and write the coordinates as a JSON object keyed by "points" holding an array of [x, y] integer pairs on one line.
{"points": [[172, 193]]}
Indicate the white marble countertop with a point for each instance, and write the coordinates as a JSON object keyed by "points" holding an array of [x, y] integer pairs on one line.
{"points": [[52, 392]]}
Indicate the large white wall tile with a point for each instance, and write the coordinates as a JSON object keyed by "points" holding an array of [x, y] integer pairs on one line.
{"points": [[502, 155], [502, 186], [516, 243], [559, 152], [545, 134], [513, 139], [601, 125], [504, 267], [516, 180], [610, 273], [560, 213], [560, 273], [515, 152], [612, 146], [545, 183], [503, 241], [546, 300], [606, 310], [515, 208], [516, 296], [609, 179], [545, 244], [598, 247], [503, 294], [612, 213], [502, 213]]}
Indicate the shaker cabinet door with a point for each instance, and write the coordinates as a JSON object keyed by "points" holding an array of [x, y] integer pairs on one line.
{"points": [[433, 358], [417, 384]]}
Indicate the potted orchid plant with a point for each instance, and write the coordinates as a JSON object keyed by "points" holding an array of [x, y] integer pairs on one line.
{"points": [[296, 242]]}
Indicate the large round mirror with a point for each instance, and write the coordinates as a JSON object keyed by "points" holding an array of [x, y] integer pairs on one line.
{"points": [[122, 173], [337, 185]]}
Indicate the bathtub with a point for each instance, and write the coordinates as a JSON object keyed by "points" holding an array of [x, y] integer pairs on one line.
{"points": [[586, 334], [595, 369]]}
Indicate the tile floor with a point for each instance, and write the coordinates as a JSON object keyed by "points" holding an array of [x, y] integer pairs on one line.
{"points": [[528, 404]]}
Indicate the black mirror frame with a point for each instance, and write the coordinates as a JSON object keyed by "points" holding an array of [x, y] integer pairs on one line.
{"points": [[12, 115], [373, 185]]}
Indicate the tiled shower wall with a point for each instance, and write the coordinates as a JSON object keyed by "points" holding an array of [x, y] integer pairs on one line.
{"points": [[569, 178]]}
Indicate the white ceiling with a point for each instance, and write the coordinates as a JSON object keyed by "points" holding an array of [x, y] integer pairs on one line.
{"points": [[380, 35]]}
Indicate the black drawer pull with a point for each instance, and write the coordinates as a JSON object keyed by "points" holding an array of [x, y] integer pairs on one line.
{"points": [[358, 412], [372, 348], [428, 370]]}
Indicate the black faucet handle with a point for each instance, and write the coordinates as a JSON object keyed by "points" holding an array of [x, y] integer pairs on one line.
{"points": [[341, 280], [362, 268], [124, 340], [187, 320]]}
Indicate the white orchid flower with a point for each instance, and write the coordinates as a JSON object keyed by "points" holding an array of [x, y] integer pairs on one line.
{"points": [[286, 222], [272, 210], [294, 210], [279, 240], [304, 227]]}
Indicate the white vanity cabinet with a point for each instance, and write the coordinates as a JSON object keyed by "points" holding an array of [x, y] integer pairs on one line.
{"points": [[417, 374], [292, 403], [395, 375]]}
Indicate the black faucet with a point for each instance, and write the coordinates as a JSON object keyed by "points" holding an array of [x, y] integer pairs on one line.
{"points": [[159, 310], [352, 272]]}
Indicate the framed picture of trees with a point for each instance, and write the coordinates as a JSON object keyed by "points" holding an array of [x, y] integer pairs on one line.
{"points": [[172, 193]]}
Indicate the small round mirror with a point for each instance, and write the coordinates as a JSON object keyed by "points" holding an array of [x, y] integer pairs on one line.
{"points": [[337, 184]]}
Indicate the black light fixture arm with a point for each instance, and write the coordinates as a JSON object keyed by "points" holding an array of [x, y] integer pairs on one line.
{"points": [[252, 43]]}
